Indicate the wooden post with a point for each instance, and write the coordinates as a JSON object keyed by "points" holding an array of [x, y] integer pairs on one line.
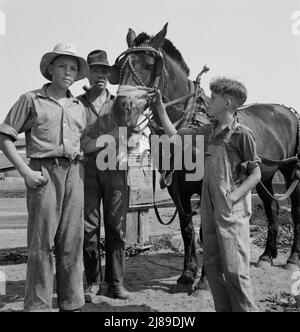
{"points": [[132, 228], [143, 226]]}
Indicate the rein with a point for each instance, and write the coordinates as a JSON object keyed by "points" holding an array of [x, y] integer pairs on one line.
{"points": [[137, 91], [281, 197], [295, 159], [142, 91]]}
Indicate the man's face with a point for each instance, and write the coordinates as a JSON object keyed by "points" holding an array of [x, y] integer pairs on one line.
{"points": [[64, 71], [99, 75], [218, 104]]}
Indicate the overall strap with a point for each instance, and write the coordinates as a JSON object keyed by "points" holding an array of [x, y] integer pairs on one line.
{"points": [[226, 141], [234, 126]]}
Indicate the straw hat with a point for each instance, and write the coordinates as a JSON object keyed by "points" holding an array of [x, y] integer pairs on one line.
{"points": [[63, 49]]}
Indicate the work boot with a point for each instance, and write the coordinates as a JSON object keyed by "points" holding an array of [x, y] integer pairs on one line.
{"points": [[75, 310], [90, 292], [118, 292]]}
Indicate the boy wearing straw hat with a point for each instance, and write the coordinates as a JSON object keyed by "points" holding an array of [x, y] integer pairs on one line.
{"points": [[53, 122]]}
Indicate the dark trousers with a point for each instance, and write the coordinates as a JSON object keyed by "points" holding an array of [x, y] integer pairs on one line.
{"points": [[110, 187]]}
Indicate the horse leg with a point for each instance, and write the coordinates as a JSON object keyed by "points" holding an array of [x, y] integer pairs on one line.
{"points": [[190, 267], [293, 263], [271, 210], [188, 234], [202, 283]]}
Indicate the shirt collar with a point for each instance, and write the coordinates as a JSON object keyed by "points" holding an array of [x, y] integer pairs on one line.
{"points": [[109, 96], [43, 93], [225, 130]]}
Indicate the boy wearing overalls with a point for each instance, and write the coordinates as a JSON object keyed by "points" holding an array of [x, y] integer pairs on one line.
{"points": [[231, 171], [53, 122]]}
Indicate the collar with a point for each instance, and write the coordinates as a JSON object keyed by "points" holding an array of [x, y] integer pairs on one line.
{"points": [[226, 129], [43, 93], [109, 96]]}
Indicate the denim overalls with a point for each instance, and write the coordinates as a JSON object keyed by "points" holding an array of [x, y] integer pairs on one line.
{"points": [[226, 236]]}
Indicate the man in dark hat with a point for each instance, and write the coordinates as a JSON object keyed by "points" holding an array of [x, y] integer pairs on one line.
{"points": [[109, 186]]}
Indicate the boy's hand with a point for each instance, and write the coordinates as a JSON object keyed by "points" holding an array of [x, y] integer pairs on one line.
{"points": [[232, 198], [35, 179], [157, 100]]}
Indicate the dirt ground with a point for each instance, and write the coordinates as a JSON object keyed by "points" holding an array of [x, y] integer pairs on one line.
{"points": [[151, 277]]}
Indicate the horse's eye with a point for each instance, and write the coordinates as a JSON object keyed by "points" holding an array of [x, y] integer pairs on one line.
{"points": [[150, 66]]}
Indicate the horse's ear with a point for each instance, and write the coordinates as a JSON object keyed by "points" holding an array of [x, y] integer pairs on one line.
{"points": [[157, 40], [131, 35]]}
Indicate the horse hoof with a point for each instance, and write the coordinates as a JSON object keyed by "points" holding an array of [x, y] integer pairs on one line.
{"points": [[202, 284], [181, 288], [292, 267], [264, 263], [186, 278]]}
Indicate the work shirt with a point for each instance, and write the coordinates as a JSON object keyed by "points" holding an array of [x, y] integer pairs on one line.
{"points": [[98, 123], [241, 148], [51, 130]]}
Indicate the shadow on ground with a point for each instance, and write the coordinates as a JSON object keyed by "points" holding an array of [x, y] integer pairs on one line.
{"points": [[151, 278]]}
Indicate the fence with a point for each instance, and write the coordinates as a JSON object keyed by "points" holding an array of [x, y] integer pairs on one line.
{"points": [[140, 202]]}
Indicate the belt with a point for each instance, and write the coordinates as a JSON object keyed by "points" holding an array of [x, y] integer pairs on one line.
{"points": [[59, 160]]}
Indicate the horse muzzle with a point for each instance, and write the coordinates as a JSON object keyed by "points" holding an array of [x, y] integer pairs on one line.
{"points": [[127, 110], [130, 103]]}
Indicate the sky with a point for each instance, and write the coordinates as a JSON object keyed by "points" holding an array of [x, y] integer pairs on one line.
{"points": [[255, 41]]}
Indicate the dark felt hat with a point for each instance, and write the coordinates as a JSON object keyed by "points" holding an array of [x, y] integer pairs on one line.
{"points": [[97, 57]]}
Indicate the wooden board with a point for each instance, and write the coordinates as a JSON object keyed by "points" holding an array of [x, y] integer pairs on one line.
{"points": [[140, 182]]}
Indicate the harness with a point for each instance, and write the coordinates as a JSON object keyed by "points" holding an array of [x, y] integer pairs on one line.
{"points": [[298, 119], [117, 72], [295, 159], [125, 59]]}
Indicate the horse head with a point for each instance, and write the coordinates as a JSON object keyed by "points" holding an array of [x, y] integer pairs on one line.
{"points": [[149, 63]]}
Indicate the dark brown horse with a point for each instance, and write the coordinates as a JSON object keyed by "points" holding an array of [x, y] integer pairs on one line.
{"points": [[155, 62]]}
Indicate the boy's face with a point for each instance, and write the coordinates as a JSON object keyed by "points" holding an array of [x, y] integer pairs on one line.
{"points": [[99, 75], [64, 71], [218, 105]]}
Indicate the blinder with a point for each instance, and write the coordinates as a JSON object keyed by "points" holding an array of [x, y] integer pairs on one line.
{"points": [[115, 70]]}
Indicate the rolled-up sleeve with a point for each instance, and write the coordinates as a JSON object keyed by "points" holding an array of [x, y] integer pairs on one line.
{"points": [[191, 131], [17, 118], [250, 158]]}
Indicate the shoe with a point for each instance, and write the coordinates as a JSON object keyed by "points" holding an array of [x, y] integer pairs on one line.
{"points": [[75, 310], [90, 292], [118, 292]]}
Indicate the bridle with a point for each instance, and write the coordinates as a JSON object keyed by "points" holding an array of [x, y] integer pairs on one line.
{"points": [[159, 67], [159, 78], [159, 64]]}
